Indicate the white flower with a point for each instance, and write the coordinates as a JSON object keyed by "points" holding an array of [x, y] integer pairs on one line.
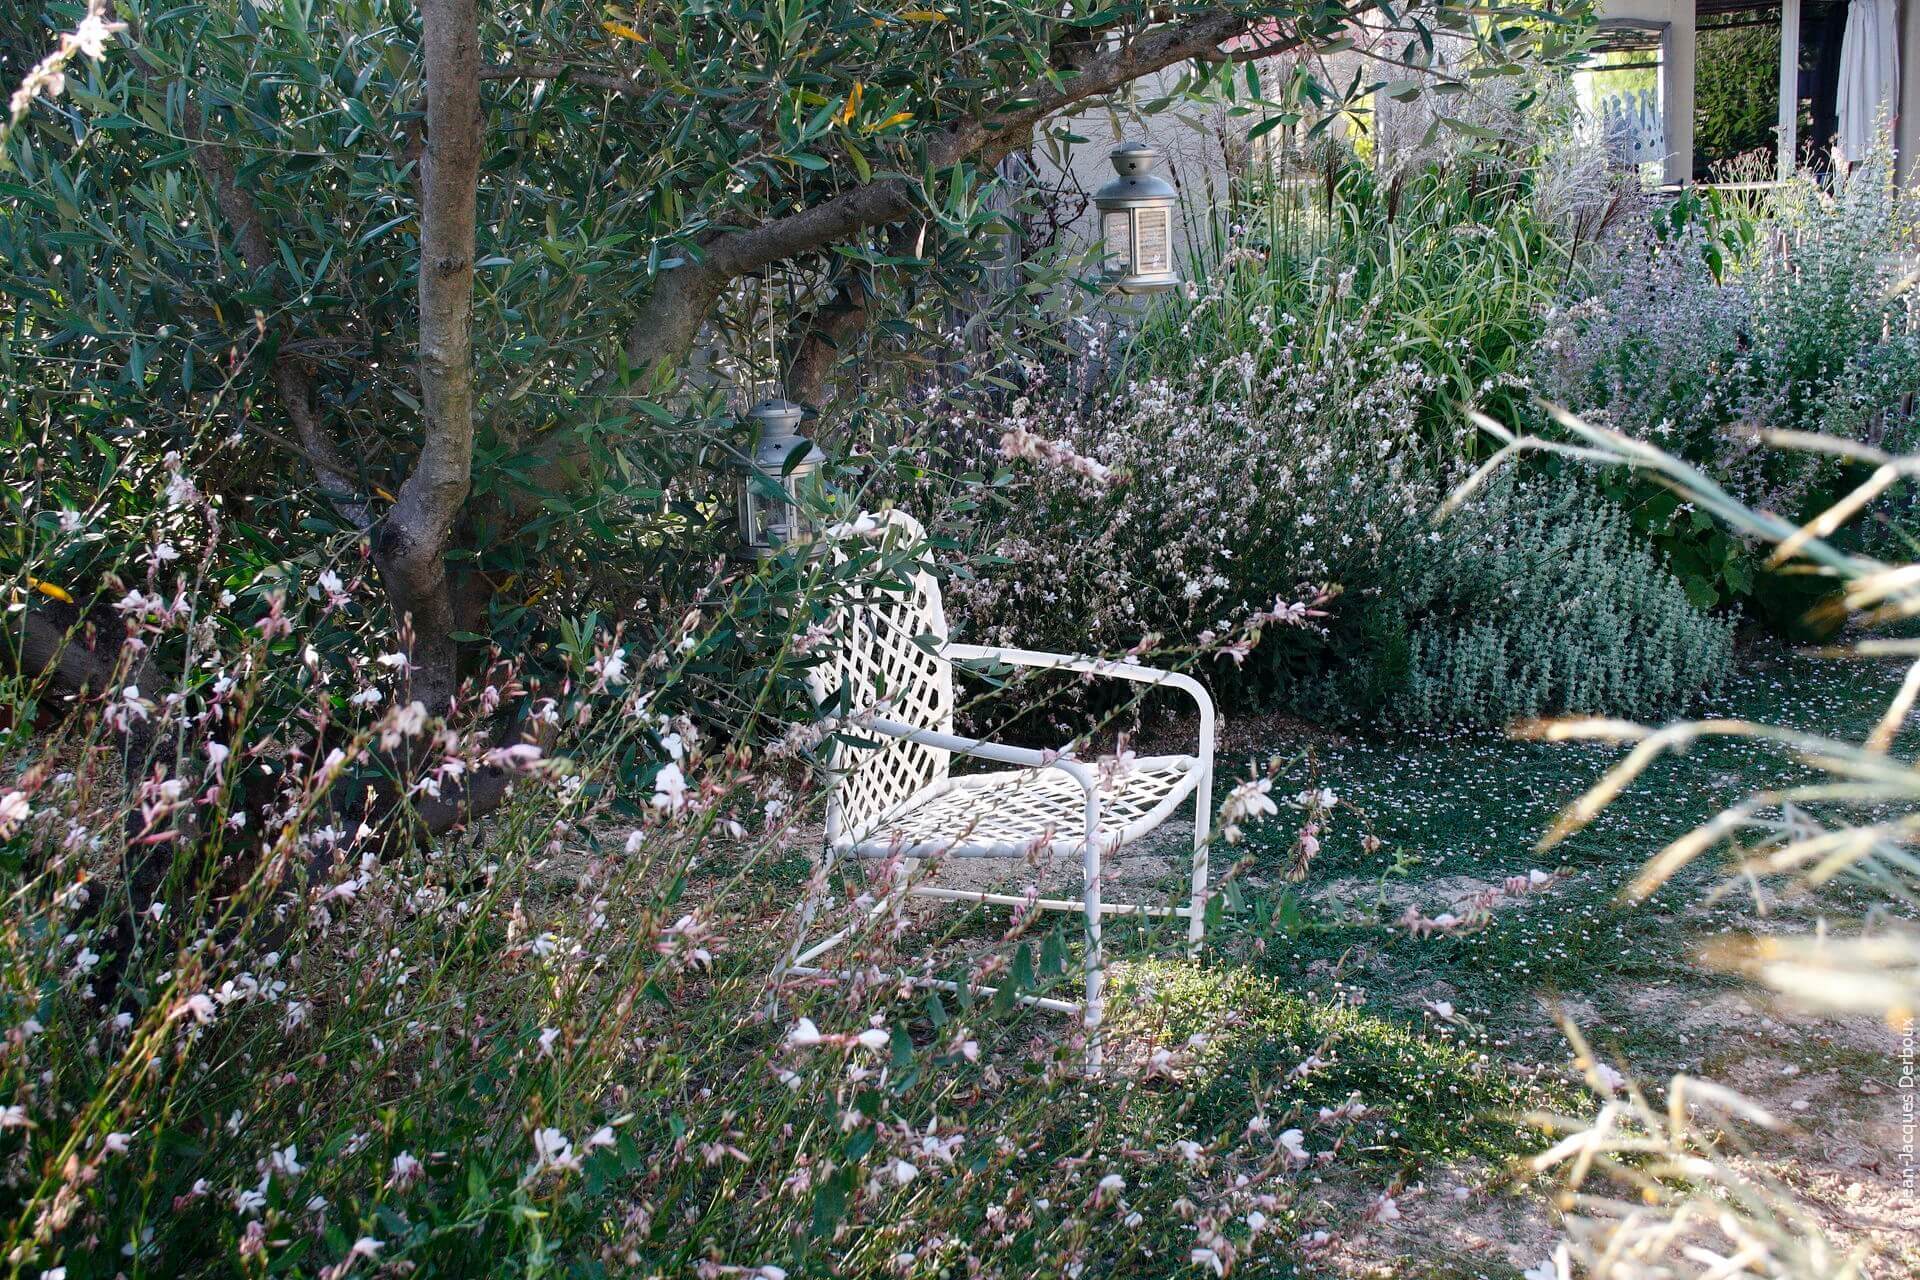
{"points": [[1209, 1259], [1249, 801], [670, 789], [547, 1037], [551, 1150], [1189, 1150], [613, 667], [804, 1034], [519, 758], [90, 38], [1293, 1142], [199, 1005], [138, 602], [406, 1170], [403, 722], [1443, 1009], [14, 810], [874, 1038]]}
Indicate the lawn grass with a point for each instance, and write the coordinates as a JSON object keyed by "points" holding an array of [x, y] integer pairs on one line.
{"points": [[1459, 810]]}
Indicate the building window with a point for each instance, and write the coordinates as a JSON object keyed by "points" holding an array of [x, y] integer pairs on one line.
{"points": [[1622, 90]]}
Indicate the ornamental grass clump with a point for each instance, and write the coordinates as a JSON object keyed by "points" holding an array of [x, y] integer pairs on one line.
{"points": [[1447, 267], [1542, 600], [1671, 1191]]}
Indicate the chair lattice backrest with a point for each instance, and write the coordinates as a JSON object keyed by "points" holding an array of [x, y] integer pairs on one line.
{"points": [[880, 656]]}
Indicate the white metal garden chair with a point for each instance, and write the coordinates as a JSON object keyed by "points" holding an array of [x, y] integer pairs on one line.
{"points": [[891, 679]]}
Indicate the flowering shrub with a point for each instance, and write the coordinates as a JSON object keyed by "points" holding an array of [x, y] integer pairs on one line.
{"points": [[1240, 489], [1693, 348], [1544, 601], [1277, 446]]}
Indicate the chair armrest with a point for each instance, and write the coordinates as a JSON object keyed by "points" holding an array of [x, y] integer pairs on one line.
{"points": [[1098, 667], [981, 749]]}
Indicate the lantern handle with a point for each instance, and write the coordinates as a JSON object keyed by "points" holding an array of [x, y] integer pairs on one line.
{"points": [[773, 352]]}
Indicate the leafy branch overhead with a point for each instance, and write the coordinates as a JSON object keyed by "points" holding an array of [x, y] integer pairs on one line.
{"points": [[471, 280]]}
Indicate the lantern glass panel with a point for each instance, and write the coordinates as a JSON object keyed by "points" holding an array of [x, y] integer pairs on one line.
{"points": [[1152, 229], [749, 514], [1116, 231], [782, 521]]}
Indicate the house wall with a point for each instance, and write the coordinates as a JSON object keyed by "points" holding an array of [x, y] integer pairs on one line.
{"points": [[1198, 139]]}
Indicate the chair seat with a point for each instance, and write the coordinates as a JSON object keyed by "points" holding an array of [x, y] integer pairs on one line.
{"points": [[1010, 814]]}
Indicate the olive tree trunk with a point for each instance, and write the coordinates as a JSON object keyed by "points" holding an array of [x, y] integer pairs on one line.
{"points": [[410, 545]]}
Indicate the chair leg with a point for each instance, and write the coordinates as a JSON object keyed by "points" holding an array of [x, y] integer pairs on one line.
{"points": [[809, 909], [1202, 831], [1093, 1011]]}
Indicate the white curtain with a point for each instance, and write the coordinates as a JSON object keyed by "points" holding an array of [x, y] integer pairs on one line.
{"points": [[1869, 77]]}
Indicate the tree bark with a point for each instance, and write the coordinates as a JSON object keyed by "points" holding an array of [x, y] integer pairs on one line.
{"points": [[824, 340], [411, 544]]}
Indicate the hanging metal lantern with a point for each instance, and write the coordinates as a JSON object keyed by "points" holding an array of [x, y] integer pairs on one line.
{"points": [[1136, 223], [771, 515]]}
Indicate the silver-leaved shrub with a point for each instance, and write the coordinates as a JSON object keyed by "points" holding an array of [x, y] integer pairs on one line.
{"points": [[1545, 601]]}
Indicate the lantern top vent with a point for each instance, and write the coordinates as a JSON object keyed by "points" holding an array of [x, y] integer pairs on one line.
{"points": [[1136, 182], [1133, 159], [776, 416], [776, 431]]}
